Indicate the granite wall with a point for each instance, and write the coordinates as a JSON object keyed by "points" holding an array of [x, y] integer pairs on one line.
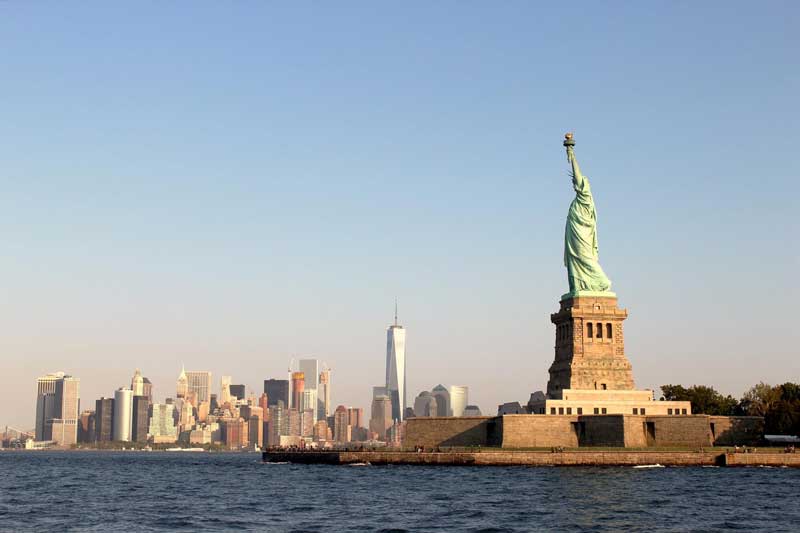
{"points": [[534, 431], [572, 431], [736, 430], [430, 432]]}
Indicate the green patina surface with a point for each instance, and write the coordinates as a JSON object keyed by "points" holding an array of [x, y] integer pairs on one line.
{"points": [[580, 237], [589, 294]]}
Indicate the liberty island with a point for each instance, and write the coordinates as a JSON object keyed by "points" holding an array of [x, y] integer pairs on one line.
{"points": [[591, 400]]}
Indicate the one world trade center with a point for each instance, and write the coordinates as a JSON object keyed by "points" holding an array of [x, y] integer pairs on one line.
{"points": [[396, 367]]}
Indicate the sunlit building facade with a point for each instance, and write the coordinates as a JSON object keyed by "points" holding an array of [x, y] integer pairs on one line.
{"points": [[123, 414], [199, 383], [324, 395], [459, 399], [162, 423], [396, 369], [57, 405]]}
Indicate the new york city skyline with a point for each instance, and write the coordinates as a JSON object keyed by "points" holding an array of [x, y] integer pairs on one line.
{"points": [[233, 202]]}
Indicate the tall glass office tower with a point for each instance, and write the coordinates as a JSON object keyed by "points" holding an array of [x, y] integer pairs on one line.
{"points": [[57, 408], [396, 367], [199, 382]]}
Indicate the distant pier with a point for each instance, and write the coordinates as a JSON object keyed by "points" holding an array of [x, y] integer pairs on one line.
{"points": [[537, 458]]}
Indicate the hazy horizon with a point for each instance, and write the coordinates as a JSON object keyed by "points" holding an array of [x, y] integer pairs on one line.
{"points": [[231, 186]]}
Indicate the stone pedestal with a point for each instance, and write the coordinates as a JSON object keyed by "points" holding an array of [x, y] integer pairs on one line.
{"points": [[590, 346]]}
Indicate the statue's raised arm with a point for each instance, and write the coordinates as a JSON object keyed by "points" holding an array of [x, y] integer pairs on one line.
{"points": [[580, 238], [575, 173]]}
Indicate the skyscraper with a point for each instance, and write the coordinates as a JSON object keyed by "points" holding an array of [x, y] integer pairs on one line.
{"points": [[307, 421], [324, 394], [199, 382], [381, 419], [185, 414], [45, 407], [472, 410], [86, 427], [182, 386], [309, 402], [137, 383], [355, 416], [162, 423], [293, 417], [310, 369], [225, 390], [321, 431], [147, 389], [254, 417], [57, 405], [442, 396], [459, 399], [278, 424], [213, 405], [104, 420], [277, 390], [237, 392], [298, 386], [68, 410], [425, 405], [234, 433], [396, 367], [341, 425], [140, 421], [123, 414], [255, 427]]}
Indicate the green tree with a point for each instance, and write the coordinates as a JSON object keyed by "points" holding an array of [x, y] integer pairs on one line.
{"points": [[790, 392], [760, 399], [674, 393], [783, 419], [783, 416], [704, 399]]}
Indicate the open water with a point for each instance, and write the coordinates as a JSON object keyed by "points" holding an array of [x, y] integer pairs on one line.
{"points": [[139, 491]]}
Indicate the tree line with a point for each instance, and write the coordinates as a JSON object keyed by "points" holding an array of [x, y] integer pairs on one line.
{"points": [[779, 404]]}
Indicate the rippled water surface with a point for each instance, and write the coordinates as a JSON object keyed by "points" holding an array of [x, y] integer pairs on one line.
{"points": [[101, 491]]}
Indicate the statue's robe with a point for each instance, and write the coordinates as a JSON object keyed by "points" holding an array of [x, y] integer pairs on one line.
{"points": [[580, 242]]}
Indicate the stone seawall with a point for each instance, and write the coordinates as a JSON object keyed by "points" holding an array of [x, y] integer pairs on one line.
{"points": [[542, 458], [762, 459], [572, 431]]}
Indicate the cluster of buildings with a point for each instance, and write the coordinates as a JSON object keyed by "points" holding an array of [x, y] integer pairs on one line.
{"points": [[296, 411]]}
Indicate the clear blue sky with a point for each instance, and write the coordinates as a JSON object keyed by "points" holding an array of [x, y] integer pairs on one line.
{"points": [[231, 184]]}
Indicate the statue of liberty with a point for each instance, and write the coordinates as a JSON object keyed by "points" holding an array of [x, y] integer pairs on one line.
{"points": [[580, 238]]}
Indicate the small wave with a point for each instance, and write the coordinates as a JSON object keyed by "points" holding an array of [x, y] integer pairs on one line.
{"points": [[277, 463], [649, 466], [359, 464]]}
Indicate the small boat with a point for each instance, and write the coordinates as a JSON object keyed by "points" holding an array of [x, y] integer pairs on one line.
{"points": [[649, 466]]}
